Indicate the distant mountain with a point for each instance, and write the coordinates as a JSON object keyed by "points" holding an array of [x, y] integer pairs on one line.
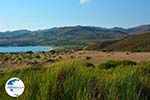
{"points": [[119, 29], [82, 32], [15, 34], [73, 35], [139, 29], [139, 42]]}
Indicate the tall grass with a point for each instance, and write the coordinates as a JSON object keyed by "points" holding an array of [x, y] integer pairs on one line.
{"points": [[75, 81]]}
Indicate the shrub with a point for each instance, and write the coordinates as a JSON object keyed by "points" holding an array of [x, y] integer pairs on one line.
{"points": [[52, 51], [29, 52], [109, 64], [72, 56], [88, 64], [112, 64], [127, 63], [88, 58]]}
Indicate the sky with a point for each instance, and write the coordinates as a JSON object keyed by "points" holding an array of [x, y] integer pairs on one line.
{"points": [[44, 14]]}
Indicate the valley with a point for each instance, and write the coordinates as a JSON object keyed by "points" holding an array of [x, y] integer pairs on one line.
{"points": [[87, 63]]}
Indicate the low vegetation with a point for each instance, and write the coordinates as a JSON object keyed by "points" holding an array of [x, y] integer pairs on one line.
{"points": [[28, 59], [133, 43], [112, 64], [76, 81]]}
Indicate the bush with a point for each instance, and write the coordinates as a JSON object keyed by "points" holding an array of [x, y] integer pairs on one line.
{"points": [[127, 63], [52, 51], [109, 64], [112, 64], [30, 52], [88, 58], [88, 64]]}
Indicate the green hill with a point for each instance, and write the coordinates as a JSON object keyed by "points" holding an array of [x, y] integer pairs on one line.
{"points": [[140, 42], [71, 35]]}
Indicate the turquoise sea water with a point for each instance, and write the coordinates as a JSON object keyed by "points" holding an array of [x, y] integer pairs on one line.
{"points": [[25, 49]]}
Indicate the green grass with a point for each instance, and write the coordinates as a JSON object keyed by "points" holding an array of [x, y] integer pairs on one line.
{"points": [[131, 43], [112, 64], [76, 81]]}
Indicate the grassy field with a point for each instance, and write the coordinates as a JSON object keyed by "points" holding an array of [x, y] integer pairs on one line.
{"points": [[13, 61], [72, 80], [97, 57]]}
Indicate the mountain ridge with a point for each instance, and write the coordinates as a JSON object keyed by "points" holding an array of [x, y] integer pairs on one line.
{"points": [[116, 27], [67, 35]]}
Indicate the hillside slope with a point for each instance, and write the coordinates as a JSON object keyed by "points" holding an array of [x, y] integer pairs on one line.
{"points": [[140, 42], [58, 36], [71, 35]]}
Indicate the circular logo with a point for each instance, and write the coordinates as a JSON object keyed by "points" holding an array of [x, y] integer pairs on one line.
{"points": [[14, 87]]}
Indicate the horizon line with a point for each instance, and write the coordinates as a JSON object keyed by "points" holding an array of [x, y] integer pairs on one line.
{"points": [[32, 30]]}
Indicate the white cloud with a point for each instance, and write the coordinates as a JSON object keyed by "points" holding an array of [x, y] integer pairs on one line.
{"points": [[84, 1]]}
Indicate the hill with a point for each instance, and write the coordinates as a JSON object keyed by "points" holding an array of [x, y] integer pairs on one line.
{"points": [[58, 36], [71, 35], [140, 42], [139, 29]]}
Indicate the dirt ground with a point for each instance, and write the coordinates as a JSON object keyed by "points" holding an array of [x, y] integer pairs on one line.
{"points": [[97, 57]]}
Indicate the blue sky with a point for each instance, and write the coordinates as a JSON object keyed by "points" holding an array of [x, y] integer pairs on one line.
{"points": [[43, 14]]}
